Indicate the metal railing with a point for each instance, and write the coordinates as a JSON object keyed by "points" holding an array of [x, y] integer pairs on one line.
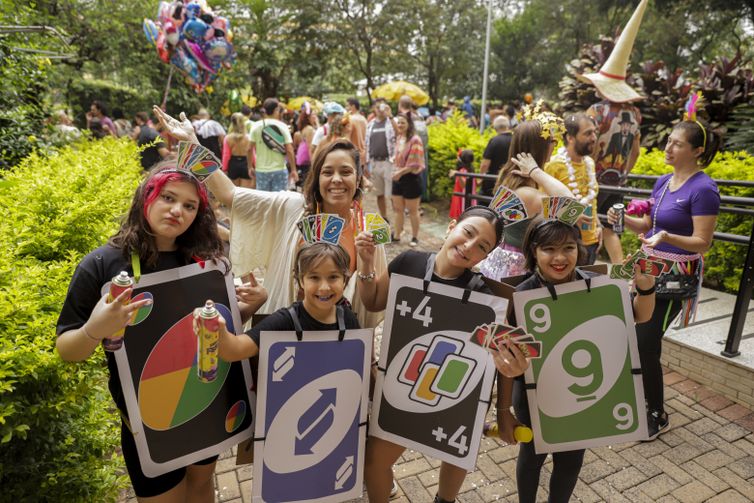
{"points": [[730, 204]]}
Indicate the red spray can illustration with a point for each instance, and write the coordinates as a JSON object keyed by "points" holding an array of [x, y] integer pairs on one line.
{"points": [[118, 285], [207, 330]]}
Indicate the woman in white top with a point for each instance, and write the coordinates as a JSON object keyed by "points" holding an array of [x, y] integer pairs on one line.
{"points": [[263, 224]]}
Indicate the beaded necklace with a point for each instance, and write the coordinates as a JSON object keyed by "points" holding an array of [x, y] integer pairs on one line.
{"points": [[573, 184]]}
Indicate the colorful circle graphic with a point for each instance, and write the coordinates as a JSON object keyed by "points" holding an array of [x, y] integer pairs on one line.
{"points": [[170, 392], [235, 416], [141, 314]]}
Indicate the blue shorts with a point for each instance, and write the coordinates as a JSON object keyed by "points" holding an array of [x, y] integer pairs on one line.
{"points": [[272, 181]]}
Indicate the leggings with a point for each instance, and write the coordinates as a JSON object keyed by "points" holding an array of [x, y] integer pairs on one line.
{"points": [[649, 338], [566, 465]]}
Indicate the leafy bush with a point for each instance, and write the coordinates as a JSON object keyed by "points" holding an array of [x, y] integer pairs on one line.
{"points": [[724, 261], [445, 138], [81, 92], [21, 109], [58, 429]]}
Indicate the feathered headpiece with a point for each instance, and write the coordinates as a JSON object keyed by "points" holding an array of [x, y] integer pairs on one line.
{"points": [[692, 105]]}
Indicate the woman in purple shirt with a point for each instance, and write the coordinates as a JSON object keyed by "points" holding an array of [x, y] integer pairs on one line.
{"points": [[678, 227]]}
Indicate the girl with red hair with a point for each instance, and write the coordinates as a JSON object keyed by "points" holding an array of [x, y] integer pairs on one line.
{"points": [[170, 224]]}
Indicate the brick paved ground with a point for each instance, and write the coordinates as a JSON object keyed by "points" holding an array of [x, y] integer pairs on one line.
{"points": [[707, 455]]}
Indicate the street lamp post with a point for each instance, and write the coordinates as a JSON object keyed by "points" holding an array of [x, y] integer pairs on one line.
{"points": [[482, 124]]}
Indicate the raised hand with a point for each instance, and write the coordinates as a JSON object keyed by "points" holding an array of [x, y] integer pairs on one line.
{"points": [[365, 247], [525, 163], [181, 130]]}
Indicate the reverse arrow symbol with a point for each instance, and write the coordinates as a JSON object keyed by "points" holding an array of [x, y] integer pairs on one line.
{"points": [[344, 473], [283, 363], [315, 422]]}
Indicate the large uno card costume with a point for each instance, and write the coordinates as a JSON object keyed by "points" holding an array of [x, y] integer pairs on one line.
{"points": [[311, 420], [585, 390], [176, 418], [434, 384]]}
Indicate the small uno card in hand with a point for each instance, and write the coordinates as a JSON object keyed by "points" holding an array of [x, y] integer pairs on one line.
{"points": [[381, 235], [667, 264], [618, 271], [374, 220], [650, 267], [378, 227], [333, 227], [570, 210], [530, 349], [508, 205], [479, 335], [197, 159]]}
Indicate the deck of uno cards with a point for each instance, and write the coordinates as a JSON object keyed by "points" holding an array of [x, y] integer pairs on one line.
{"points": [[378, 227], [494, 335], [321, 227], [650, 265], [565, 209], [508, 205], [197, 159]]}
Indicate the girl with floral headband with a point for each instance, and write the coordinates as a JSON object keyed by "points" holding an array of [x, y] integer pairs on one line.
{"points": [[531, 147]]}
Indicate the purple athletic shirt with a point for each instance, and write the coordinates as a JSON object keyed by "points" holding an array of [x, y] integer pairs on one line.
{"points": [[697, 197]]}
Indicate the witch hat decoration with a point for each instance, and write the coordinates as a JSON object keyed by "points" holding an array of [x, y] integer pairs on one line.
{"points": [[610, 81]]}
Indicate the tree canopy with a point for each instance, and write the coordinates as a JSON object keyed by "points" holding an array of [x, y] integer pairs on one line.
{"points": [[324, 47]]}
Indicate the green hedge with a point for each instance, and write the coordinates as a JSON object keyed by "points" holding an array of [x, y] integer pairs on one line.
{"points": [[445, 138], [58, 427], [724, 260], [81, 92]]}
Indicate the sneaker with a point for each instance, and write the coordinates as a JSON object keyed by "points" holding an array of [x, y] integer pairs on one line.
{"points": [[394, 238], [394, 490], [657, 422], [414, 242]]}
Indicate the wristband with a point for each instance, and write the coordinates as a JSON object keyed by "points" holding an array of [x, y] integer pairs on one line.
{"points": [[648, 291], [86, 332], [532, 171], [367, 277]]}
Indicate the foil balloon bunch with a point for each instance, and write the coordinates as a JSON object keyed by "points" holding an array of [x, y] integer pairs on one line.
{"points": [[189, 36]]}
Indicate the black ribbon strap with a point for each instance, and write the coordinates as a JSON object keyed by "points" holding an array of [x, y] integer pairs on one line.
{"points": [[296, 324], [429, 271], [341, 322]]}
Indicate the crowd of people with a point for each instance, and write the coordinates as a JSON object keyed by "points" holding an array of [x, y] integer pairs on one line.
{"points": [[281, 165], [171, 223]]}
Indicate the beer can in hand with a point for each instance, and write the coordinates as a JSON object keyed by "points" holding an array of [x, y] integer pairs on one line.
{"points": [[118, 285], [207, 330], [620, 211]]}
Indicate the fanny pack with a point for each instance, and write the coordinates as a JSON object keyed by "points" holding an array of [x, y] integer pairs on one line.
{"points": [[675, 286]]}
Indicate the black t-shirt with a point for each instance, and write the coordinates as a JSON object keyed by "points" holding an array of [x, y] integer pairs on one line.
{"points": [[281, 321], [150, 155], [84, 291], [497, 153], [414, 263]]}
